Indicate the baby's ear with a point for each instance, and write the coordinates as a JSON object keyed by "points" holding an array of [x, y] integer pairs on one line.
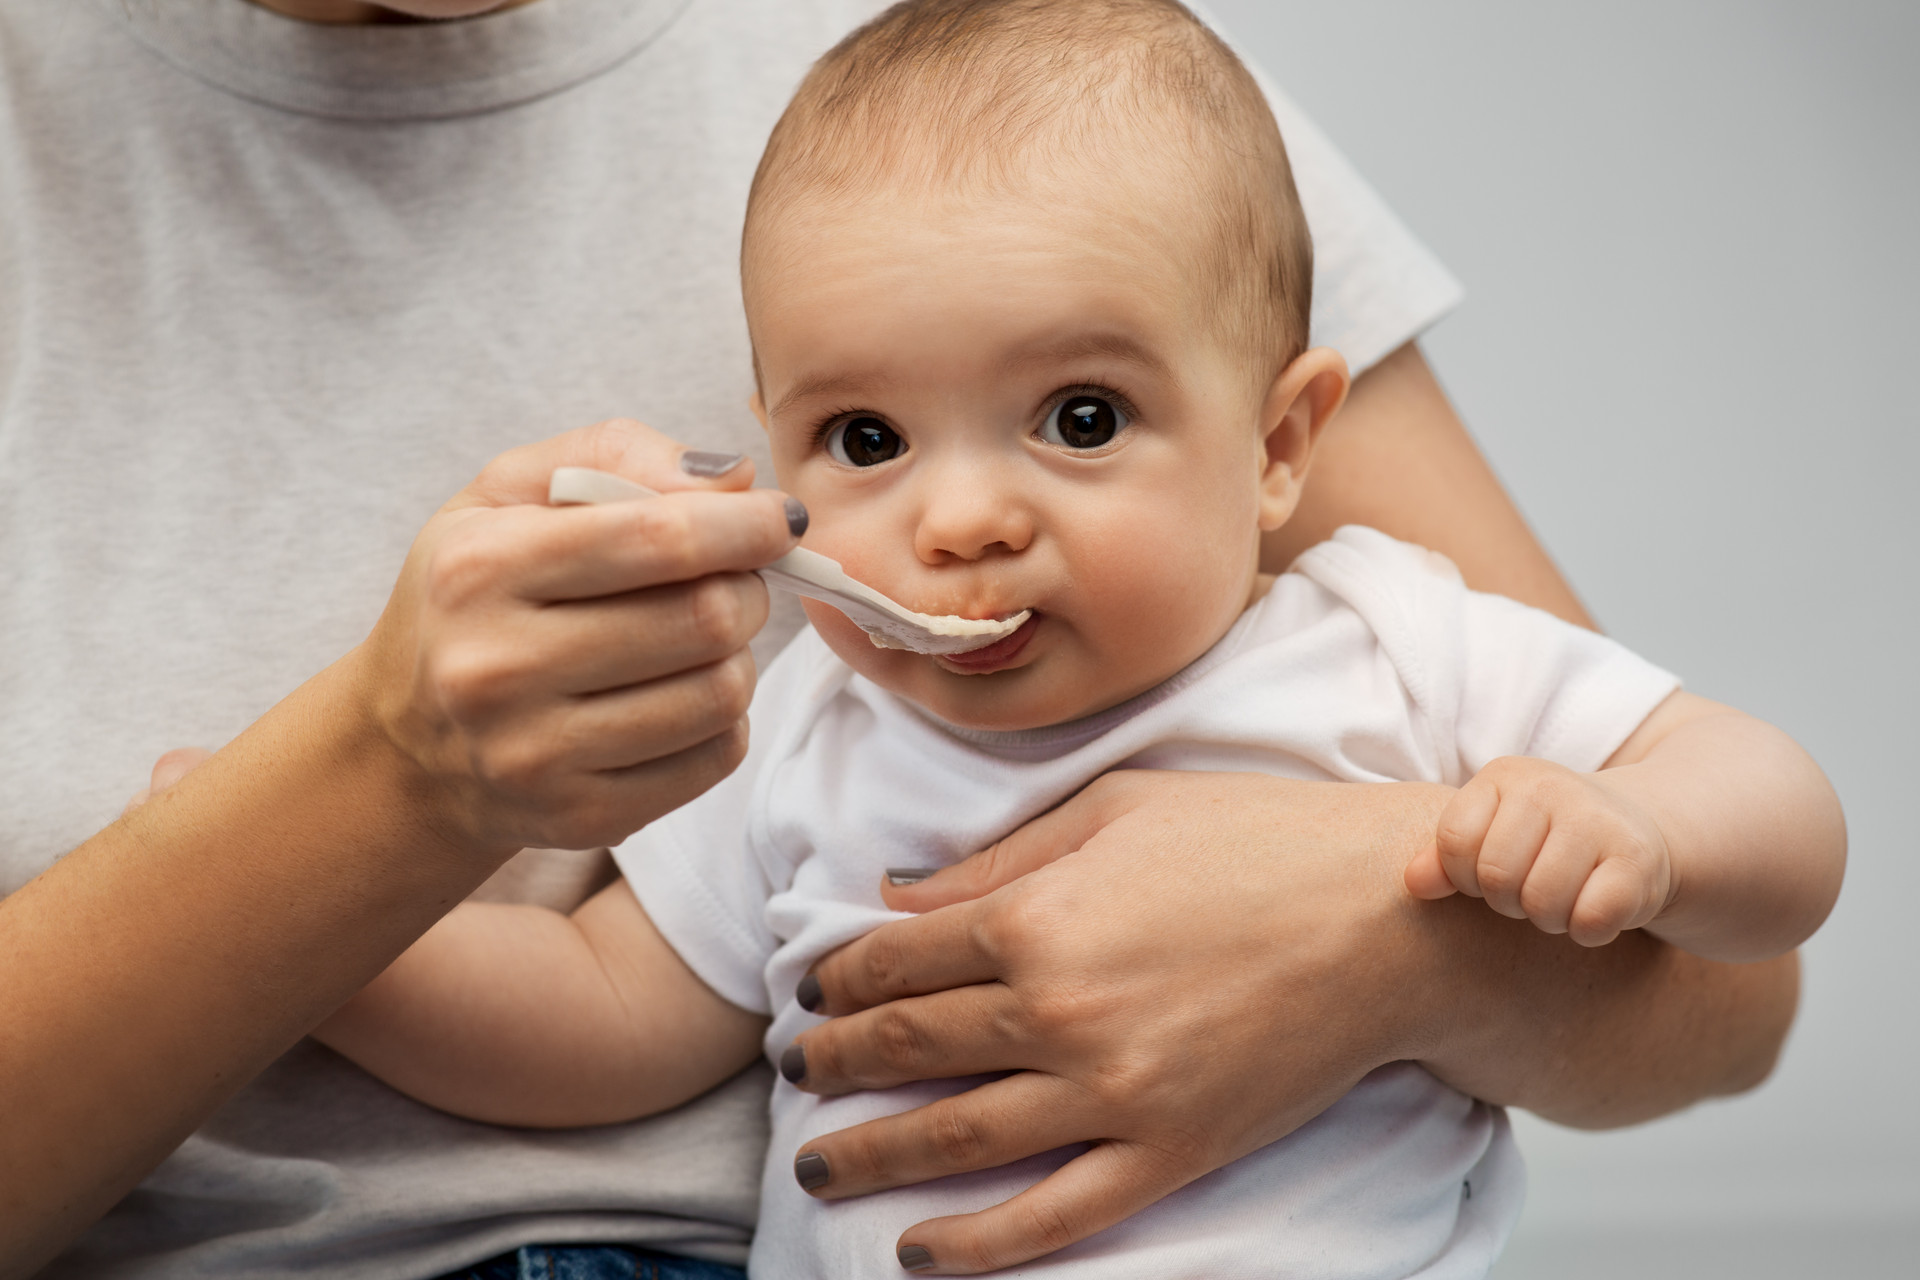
{"points": [[1302, 400], [759, 407]]}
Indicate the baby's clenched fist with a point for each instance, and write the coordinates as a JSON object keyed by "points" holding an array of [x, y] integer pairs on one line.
{"points": [[1559, 848]]}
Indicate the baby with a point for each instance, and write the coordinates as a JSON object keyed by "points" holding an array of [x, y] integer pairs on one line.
{"points": [[1028, 287]]}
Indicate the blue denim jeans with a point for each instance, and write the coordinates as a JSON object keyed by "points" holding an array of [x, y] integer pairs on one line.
{"points": [[593, 1262]]}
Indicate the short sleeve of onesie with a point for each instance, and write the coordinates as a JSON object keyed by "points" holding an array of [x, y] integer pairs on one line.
{"points": [[701, 874], [1491, 677]]}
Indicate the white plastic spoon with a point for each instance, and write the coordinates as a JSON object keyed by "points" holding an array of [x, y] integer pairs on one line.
{"points": [[808, 573]]}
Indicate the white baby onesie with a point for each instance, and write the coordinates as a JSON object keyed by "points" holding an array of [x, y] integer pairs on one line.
{"points": [[1369, 661]]}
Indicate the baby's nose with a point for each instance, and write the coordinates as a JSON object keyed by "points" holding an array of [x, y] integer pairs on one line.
{"points": [[969, 513]]}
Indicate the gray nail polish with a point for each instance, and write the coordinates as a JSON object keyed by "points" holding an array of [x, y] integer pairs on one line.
{"points": [[914, 1258], [810, 1170], [796, 516], [808, 994], [707, 464], [909, 875], [793, 1063]]}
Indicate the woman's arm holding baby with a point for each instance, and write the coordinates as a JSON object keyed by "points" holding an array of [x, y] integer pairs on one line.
{"points": [[1708, 828], [519, 1015]]}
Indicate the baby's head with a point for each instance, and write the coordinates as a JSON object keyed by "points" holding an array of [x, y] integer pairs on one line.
{"points": [[1028, 285]]}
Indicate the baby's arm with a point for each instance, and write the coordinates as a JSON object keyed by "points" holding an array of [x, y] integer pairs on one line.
{"points": [[520, 1015], [1708, 828]]}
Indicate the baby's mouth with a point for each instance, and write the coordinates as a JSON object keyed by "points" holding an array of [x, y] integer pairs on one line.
{"points": [[994, 656]]}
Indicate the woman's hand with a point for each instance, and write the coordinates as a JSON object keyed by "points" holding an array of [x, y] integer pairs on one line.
{"points": [[1184, 967], [561, 676], [541, 676]]}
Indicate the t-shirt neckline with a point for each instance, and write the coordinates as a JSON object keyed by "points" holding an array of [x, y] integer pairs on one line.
{"points": [[400, 72]]}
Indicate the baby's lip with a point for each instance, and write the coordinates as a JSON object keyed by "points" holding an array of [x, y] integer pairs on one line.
{"points": [[998, 654]]}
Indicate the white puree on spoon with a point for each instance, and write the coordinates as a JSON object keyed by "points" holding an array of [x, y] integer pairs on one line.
{"points": [[889, 624]]}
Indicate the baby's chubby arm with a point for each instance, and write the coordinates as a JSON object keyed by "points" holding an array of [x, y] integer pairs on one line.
{"points": [[1708, 828], [519, 1015]]}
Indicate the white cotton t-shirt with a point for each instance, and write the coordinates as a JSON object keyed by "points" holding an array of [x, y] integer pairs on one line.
{"points": [[270, 292], [1368, 662]]}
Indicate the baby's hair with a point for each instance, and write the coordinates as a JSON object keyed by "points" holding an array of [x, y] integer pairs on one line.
{"points": [[938, 94]]}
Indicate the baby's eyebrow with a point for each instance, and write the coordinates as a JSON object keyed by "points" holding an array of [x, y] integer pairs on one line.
{"points": [[827, 384], [1079, 346]]}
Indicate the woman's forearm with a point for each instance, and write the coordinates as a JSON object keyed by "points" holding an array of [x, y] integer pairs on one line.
{"points": [[1398, 458], [153, 970], [1599, 1037]]}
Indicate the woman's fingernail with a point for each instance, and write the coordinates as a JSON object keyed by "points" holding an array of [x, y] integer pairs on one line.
{"points": [[808, 994], [908, 875], [796, 516], [914, 1258], [793, 1063], [707, 464], [810, 1170]]}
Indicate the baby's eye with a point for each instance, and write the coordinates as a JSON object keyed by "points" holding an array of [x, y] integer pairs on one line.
{"points": [[1083, 422], [864, 442]]}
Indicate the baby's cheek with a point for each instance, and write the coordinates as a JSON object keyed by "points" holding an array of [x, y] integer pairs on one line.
{"points": [[1162, 608]]}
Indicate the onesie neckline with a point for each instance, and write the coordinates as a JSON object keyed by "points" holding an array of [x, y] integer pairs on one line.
{"points": [[1058, 739]]}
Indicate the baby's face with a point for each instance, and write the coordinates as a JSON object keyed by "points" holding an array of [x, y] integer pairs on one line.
{"points": [[996, 405]]}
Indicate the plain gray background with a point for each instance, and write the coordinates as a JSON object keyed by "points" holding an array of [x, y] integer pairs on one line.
{"points": [[1687, 234]]}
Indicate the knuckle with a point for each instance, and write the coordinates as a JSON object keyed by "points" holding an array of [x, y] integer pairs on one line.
{"points": [[1057, 1012], [1547, 909], [463, 567], [670, 536], [1019, 920], [513, 763], [728, 750], [883, 960], [899, 1043], [471, 679], [730, 686], [1050, 1225], [1456, 833], [716, 614], [956, 1141], [1495, 879]]}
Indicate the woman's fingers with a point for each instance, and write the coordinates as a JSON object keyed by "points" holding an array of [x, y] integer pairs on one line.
{"points": [[530, 654], [619, 729], [1050, 836], [941, 950], [938, 1036], [1090, 1193], [603, 807], [619, 445], [984, 1128], [581, 552], [595, 646]]}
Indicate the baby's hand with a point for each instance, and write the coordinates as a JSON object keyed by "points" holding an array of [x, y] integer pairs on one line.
{"points": [[1560, 848]]}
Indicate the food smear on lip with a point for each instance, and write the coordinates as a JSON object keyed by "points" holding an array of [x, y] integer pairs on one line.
{"points": [[951, 634], [991, 657]]}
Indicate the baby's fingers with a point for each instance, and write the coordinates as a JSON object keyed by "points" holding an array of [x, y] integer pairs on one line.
{"points": [[1615, 898], [1426, 876], [1463, 829]]}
